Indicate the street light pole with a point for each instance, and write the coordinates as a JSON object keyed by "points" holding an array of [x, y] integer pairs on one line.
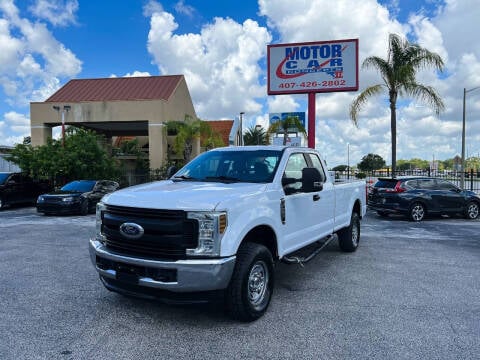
{"points": [[348, 160], [66, 108], [462, 165], [241, 128]]}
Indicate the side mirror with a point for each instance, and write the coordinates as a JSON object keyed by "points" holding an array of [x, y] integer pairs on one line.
{"points": [[311, 180], [171, 170], [287, 181]]}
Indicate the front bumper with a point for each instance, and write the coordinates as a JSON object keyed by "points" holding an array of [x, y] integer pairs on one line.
{"points": [[58, 208], [182, 276]]}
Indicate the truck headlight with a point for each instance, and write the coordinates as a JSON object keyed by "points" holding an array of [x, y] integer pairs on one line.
{"points": [[98, 222], [211, 227]]}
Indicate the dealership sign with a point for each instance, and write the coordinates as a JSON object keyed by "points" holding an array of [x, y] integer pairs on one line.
{"points": [[323, 66]]}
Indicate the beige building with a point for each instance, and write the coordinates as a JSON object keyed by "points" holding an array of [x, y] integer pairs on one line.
{"points": [[134, 106]]}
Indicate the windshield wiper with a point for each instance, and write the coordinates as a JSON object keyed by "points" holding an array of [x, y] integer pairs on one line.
{"points": [[223, 178], [184, 177]]}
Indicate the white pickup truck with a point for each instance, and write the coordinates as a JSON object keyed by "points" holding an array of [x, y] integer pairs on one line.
{"points": [[220, 223]]}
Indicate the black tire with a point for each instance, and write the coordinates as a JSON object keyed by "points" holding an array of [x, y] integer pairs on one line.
{"points": [[382, 214], [472, 210], [349, 237], [251, 287], [84, 207], [2, 204], [417, 212]]}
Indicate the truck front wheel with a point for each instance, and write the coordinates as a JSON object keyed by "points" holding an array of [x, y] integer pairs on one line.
{"points": [[251, 286], [349, 237]]}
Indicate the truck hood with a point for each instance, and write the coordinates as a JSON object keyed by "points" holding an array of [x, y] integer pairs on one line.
{"points": [[184, 195]]}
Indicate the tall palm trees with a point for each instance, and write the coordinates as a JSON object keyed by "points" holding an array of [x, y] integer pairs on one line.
{"points": [[398, 73], [256, 135]]}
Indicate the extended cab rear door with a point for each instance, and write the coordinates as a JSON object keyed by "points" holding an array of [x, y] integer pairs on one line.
{"points": [[308, 216]]}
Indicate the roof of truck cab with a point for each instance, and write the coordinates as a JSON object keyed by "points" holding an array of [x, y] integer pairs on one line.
{"points": [[262, 147]]}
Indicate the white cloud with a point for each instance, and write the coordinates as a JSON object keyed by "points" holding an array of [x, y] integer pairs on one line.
{"points": [[16, 124], [182, 8], [33, 61], [283, 103], [220, 64], [58, 13], [137, 73], [152, 7]]}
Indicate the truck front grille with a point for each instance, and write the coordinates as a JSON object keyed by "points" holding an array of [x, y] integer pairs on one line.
{"points": [[167, 233]]}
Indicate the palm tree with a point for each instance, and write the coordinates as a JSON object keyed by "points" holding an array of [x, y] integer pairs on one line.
{"points": [[286, 125], [188, 131], [398, 73], [256, 135]]}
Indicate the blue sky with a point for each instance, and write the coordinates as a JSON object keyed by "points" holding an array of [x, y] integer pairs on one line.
{"points": [[220, 47]]}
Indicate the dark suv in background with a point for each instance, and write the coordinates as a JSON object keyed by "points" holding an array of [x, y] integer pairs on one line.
{"points": [[19, 188], [416, 197]]}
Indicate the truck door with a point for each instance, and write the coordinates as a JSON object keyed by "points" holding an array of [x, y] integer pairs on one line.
{"points": [[305, 213]]}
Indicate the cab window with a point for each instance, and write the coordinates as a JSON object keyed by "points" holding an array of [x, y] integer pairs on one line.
{"points": [[292, 177], [318, 165]]}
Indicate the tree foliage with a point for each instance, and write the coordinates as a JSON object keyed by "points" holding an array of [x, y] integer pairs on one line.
{"points": [[255, 136], [340, 168], [371, 162], [284, 126], [82, 157], [398, 73], [187, 131], [413, 164]]}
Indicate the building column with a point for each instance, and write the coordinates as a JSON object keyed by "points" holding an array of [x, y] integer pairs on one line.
{"points": [[195, 147], [157, 145], [39, 134]]}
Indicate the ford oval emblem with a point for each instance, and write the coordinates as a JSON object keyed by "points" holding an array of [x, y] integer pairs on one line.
{"points": [[131, 230]]}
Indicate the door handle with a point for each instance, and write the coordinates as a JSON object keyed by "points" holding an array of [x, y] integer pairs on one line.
{"points": [[316, 197]]}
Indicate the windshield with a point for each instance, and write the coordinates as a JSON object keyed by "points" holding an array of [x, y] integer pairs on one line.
{"points": [[256, 166], [3, 177], [79, 186]]}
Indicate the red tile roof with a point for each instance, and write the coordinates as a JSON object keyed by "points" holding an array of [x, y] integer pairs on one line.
{"points": [[222, 127], [110, 89]]}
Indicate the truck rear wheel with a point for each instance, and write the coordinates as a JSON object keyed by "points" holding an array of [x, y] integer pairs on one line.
{"points": [[349, 237], [251, 287]]}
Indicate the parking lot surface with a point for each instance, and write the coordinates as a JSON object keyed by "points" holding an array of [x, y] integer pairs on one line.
{"points": [[410, 291]]}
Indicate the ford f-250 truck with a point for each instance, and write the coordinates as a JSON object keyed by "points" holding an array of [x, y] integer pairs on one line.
{"points": [[221, 222]]}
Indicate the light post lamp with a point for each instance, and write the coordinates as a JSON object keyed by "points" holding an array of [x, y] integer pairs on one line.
{"points": [[241, 128], [66, 108], [462, 165], [348, 160]]}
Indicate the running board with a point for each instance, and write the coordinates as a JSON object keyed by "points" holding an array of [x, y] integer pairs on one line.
{"points": [[297, 257]]}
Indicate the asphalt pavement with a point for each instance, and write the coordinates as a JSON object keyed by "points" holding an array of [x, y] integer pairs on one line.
{"points": [[410, 291]]}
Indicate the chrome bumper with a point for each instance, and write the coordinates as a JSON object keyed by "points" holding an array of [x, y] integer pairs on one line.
{"points": [[192, 275]]}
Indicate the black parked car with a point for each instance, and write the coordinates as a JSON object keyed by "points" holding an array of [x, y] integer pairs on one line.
{"points": [[76, 197], [416, 197], [19, 188]]}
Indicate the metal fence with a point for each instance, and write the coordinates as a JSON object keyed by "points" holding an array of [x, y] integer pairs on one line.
{"points": [[471, 178]]}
